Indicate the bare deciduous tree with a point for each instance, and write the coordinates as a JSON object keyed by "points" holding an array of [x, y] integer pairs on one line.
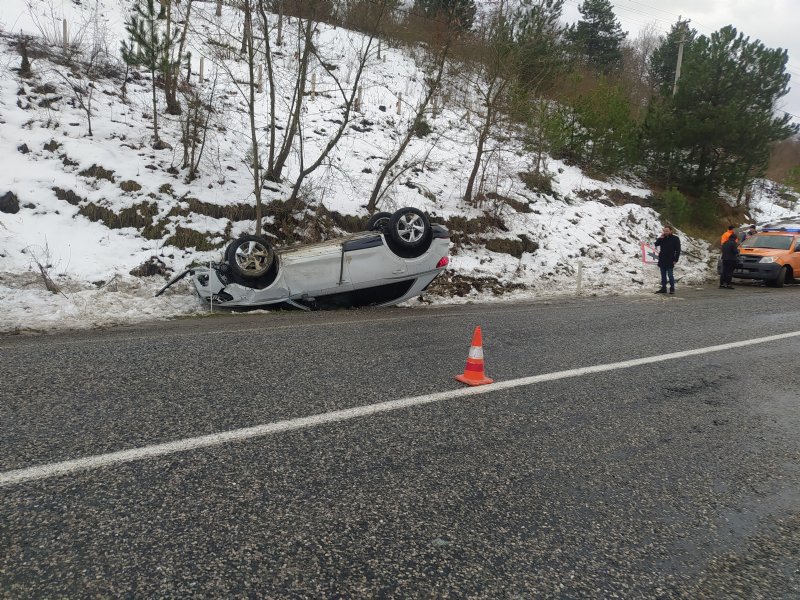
{"points": [[174, 54], [348, 94], [305, 41], [89, 62], [249, 41], [222, 51], [490, 81], [432, 84], [195, 126], [634, 74]]}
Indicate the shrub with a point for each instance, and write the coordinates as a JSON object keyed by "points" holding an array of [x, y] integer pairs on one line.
{"points": [[676, 207], [704, 211], [538, 182], [149, 268], [792, 179], [422, 128]]}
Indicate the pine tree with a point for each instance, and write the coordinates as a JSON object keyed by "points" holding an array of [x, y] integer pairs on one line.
{"points": [[662, 63], [458, 14], [606, 137], [538, 33], [148, 48], [720, 123], [597, 38]]}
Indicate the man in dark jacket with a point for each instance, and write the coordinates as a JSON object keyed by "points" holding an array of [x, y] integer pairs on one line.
{"points": [[670, 251], [730, 256], [747, 233]]}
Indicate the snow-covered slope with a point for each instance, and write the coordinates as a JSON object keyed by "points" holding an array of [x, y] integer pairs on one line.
{"points": [[64, 179]]}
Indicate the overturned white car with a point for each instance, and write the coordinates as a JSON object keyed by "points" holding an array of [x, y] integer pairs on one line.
{"points": [[398, 256]]}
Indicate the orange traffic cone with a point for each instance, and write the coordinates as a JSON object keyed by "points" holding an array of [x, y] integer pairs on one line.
{"points": [[473, 373]]}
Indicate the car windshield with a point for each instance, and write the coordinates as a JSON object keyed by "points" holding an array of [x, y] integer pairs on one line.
{"points": [[774, 242]]}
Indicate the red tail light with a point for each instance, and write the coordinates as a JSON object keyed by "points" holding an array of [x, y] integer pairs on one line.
{"points": [[443, 262]]}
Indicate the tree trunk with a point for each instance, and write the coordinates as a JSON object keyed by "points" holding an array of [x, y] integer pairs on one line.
{"points": [[155, 109], [247, 25], [185, 129], [743, 182], [271, 82], [702, 167], [195, 165], [478, 155], [170, 92], [297, 101], [173, 106], [89, 110], [248, 34], [25, 66], [493, 95]]}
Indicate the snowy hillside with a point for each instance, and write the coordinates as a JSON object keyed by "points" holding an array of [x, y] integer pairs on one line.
{"points": [[93, 209]]}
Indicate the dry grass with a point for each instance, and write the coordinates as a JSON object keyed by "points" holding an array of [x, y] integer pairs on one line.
{"points": [[189, 238], [98, 172], [233, 212]]}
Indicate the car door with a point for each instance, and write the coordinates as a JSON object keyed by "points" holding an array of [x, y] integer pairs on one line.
{"points": [[314, 270], [369, 261], [794, 257]]}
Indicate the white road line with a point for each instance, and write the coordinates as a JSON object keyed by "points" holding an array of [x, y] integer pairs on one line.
{"points": [[217, 439]]}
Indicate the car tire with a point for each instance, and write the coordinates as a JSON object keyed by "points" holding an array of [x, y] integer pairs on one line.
{"points": [[250, 256], [410, 230], [379, 221], [781, 278]]}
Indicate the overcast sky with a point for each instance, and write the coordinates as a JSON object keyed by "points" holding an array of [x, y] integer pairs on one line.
{"points": [[775, 22]]}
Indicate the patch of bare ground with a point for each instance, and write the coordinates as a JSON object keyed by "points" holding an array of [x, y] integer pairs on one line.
{"points": [[450, 284]]}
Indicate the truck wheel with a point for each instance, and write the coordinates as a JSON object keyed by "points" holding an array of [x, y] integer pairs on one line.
{"points": [[781, 278]]}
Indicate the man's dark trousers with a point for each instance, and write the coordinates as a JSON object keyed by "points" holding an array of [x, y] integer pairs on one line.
{"points": [[728, 266], [666, 273]]}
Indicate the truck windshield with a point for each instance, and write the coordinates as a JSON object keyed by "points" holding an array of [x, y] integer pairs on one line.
{"points": [[774, 242]]}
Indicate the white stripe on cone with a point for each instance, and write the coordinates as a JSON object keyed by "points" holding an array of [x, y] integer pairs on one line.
{"points": [[476, 352]]}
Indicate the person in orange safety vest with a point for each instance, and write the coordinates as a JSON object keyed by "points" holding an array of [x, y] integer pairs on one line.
{"points": [[731, 231]]}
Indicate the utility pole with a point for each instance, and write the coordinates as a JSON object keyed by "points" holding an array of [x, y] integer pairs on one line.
{"points": [[681, 42]]}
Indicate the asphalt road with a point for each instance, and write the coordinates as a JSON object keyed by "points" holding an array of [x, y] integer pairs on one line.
{"points": [[674, 479]]}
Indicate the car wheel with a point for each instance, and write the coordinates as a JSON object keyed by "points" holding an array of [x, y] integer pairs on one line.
{"points": [[379, 221], [410, 229], [250, 256], [781, 278]]}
